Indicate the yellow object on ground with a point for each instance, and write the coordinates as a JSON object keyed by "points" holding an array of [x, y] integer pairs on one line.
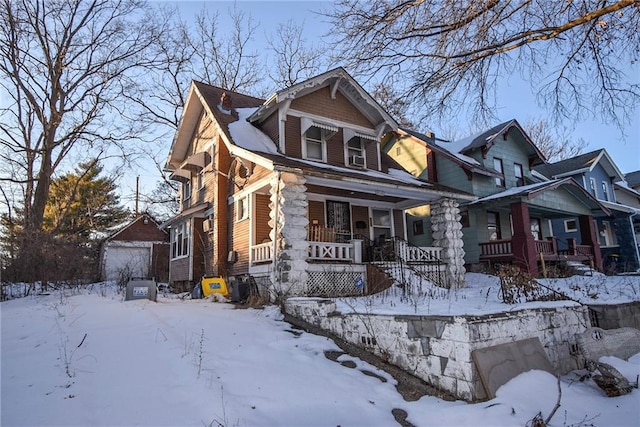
{"points": [[214, 285]]}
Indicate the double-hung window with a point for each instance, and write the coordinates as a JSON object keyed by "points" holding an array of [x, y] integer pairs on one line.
{"points": [[605, 191], [180, 240], [497, 165], [517, 168], [355, 151], [315, 143], [242, 208]]}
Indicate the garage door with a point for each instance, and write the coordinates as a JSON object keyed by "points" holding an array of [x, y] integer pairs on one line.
{"points": [[123, 261]]}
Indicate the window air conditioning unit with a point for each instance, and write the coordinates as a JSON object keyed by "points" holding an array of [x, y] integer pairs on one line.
{"points": [[356, 160], [207, 225]]}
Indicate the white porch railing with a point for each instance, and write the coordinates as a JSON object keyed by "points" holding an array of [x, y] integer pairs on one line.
{"points": [[325, 251], [318, 251], [262, 253], [421, 254]]}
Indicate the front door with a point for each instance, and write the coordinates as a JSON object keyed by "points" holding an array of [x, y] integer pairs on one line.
{"points": [[339, 218]]}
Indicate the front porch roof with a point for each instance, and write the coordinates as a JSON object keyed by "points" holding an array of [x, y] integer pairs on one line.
{"points": [[394, 183], [193, 211], [530, 192]]}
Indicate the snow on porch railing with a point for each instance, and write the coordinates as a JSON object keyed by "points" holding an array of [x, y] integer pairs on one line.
{"points": [[326, 251], [261, 253]]}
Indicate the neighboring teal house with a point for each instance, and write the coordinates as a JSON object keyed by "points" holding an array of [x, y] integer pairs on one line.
{"points": [[511, 220], [600, 176]]}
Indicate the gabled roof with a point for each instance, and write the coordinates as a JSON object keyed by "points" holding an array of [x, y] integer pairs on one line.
{"points": [[532, 191], [466, 162], [485, 140], [633, 178], [581, 164], [205, 98], [337, 80], [140, 218], [243, 138]]}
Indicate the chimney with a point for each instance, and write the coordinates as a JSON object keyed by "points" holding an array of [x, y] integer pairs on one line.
{"points": [[225, 101]]}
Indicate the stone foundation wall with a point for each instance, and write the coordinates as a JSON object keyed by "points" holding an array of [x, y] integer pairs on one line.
{"points": [[438, 349]]}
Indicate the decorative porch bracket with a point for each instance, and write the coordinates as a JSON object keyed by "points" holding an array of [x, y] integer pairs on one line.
{"points": [[447, 234]]}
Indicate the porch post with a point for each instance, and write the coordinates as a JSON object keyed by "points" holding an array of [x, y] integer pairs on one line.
{"points": [[447, 234], [288, 221], [523, 245], [589, 236]]}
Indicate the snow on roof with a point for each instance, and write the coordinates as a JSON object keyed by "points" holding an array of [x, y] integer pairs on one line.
{"points": [[247, 136], [513, 191], [455, 148]]}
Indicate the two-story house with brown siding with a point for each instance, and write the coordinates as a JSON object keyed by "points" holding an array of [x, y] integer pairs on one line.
{"points": [[295, 190]]}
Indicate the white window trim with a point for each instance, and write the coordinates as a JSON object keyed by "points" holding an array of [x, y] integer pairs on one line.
{"points": [[566, 226], [593, 190], [323, 147], [605, 191], [245, 213], [186, 231]]}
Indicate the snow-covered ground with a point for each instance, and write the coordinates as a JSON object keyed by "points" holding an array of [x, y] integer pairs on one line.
{"points": [[88, 358]]}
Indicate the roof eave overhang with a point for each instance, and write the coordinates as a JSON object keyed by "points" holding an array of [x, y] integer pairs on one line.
{"points": [[414, 193]]}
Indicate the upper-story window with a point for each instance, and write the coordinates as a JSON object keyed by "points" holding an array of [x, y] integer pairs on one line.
{"points": [[355, 152], [242, 208], [605, 191], [186, 193], [592, 187], [519, 173], [314, 144], [497, 165]]}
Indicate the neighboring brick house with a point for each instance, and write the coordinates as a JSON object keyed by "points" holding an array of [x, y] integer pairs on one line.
{"points": [[138, 249], [294, 190], [511, 219], [600, 176]]}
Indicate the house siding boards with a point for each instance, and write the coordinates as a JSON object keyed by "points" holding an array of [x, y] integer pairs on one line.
{"points": [[293, 137], [262, 215], [339, 108], [272, 129], [316, 213], [335, 149]]}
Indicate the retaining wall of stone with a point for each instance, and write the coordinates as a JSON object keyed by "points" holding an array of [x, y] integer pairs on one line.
{"points": [[438, 349]]}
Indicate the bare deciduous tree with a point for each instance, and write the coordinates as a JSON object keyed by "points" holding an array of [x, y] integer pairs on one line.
{"points": [[65, 65], [226, 61], [295, 59], [450, 54], [554, 143]]}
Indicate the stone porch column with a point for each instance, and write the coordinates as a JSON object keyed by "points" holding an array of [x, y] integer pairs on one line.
{"points": [[447, 234], [589, 236], [523, 245], [288, 221]]}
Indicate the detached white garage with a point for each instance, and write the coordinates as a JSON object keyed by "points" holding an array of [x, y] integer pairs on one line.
{"points": [[138, 249], [122, 260]]}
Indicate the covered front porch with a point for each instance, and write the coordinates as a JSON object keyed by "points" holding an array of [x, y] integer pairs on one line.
{"points": [[309, 233], [519, 226]]}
